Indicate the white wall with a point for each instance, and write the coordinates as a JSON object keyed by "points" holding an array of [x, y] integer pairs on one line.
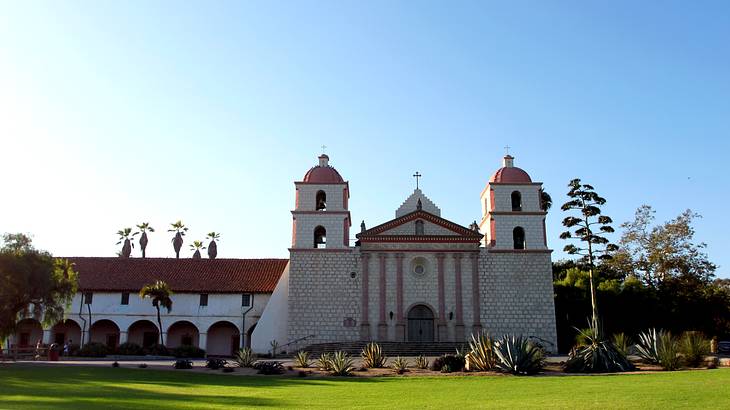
{"points": [[274, 321]]}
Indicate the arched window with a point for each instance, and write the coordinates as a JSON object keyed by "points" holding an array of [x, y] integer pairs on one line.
{"points": [[320, 237], [321, 201], [419, 227], [516, 201], [518, 235]]}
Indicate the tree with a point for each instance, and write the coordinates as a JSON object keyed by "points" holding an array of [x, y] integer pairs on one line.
{"points": [[177, 241], [197, 246], [546, 201], [144, 227], [595, 247], [657, 253], [213, 246], [32, 283], [160, 294], [125, 235]]}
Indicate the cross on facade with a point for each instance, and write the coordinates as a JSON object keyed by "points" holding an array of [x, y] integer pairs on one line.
{"points": [[417, 175], [506, 149], [324, 147]]}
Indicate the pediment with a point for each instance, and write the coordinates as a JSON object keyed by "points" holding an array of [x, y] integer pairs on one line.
{"points": [[404, 229]]}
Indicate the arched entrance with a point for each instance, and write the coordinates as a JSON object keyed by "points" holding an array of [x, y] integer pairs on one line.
{"points": [[28, 333], [182, 333], [420, 324], [106, 332], [67, 331], [223, 339], [143, 333]]}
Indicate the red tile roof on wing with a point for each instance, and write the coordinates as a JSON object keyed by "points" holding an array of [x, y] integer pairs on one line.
{"points": [[183, 275]]}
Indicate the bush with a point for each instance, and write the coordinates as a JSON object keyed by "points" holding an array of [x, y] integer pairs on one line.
{"points": [[183, 364], [341, 364], [215, 363], [373, 357], [245, 357], [668, 352], [694, 347], [648, 346], [448, 363], [421, 362], [115, 364], [622, 343], [325, 361], [517, 355], [481, 354], [130, 349], [400, 365], [74, 349], [142, 365], [269, 367], [157, 350], [94, 349], [188, 352], [301, 359], [597, 356]]}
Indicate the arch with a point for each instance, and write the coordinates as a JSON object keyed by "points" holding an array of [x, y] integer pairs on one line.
{"points": [[320, 201], [320, 237], [518, 237], [420, 323], [66, 331], [419, 227], [28, 332], [104, 331], [516, 201], [224, 339], [182, 333], [144, 333]]}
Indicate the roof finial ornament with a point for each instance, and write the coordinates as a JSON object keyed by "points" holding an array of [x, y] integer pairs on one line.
{"points": [[417, 175], [324, 147], [419, 206], [362, 226], [506, 149]]}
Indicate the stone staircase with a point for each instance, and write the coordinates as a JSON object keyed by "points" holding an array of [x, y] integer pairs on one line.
{"points": [[391, 349]]}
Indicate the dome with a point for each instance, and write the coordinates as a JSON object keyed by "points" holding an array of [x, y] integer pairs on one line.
{"points": [[510, 174], [323, 173]]}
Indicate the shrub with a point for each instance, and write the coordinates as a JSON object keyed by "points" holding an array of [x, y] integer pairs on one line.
{"points": [[301, 359], [130, 349], [597, 356], [325, 361], [269, 367], [621, 342], [341, 364], [668, 352], [448, 363], [157, 350], [73, 350], [372, 356], [517, 355], [648, 346], [142, 365], [421, 362], [94, 349], [400, 365], [115, 364], [183, 364], [481, 354], [694, 347], [245, 357], [215, 363], [188, 351]]}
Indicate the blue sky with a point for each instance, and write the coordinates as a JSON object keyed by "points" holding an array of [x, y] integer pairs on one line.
{"points": [[114, 113]]}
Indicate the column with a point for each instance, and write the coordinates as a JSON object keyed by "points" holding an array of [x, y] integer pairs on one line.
{"points": [[400, 325], [382, 322], [47, 334], [203, 341], [442, 331], [459, 328], [475, 302], [364, 298], [123, 336]]}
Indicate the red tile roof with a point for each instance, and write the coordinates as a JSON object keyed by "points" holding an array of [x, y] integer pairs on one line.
{"points": [[183, 275]]}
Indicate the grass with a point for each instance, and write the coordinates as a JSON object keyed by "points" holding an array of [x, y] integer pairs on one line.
{"points": [[66, 387]]}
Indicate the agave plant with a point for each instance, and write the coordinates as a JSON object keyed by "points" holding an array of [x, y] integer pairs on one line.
{"points": [[400, 365], [143, 228], [421, 362], [517, 355], [621, 342], [197, 246], [596, 355], [325, 361], [668, 352], [694, 347], [213, 246], [481, 355], [341, 364], [372, 356], [177, 241], [245, 357], [648, 346], [125, 235], [301, 359]]}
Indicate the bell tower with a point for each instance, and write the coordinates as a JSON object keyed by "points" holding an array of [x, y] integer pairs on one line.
{"points": [[321, 219]]}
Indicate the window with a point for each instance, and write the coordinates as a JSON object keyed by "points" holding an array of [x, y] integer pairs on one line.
{"points": [[419, 227], [88, 298], [518, 235], [203, 299], [516, 201], [320, 237], [245, 300], [321, 201], [125, 298]]}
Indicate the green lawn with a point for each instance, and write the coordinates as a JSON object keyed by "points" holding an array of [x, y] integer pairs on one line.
{"points": [[107, 388]]}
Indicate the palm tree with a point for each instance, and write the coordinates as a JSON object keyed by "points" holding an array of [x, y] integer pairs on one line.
{"points": [[125, 235], [197, 246], [212, 246], [160, 294], [144, 227], [177, 242], [546, 201]]}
